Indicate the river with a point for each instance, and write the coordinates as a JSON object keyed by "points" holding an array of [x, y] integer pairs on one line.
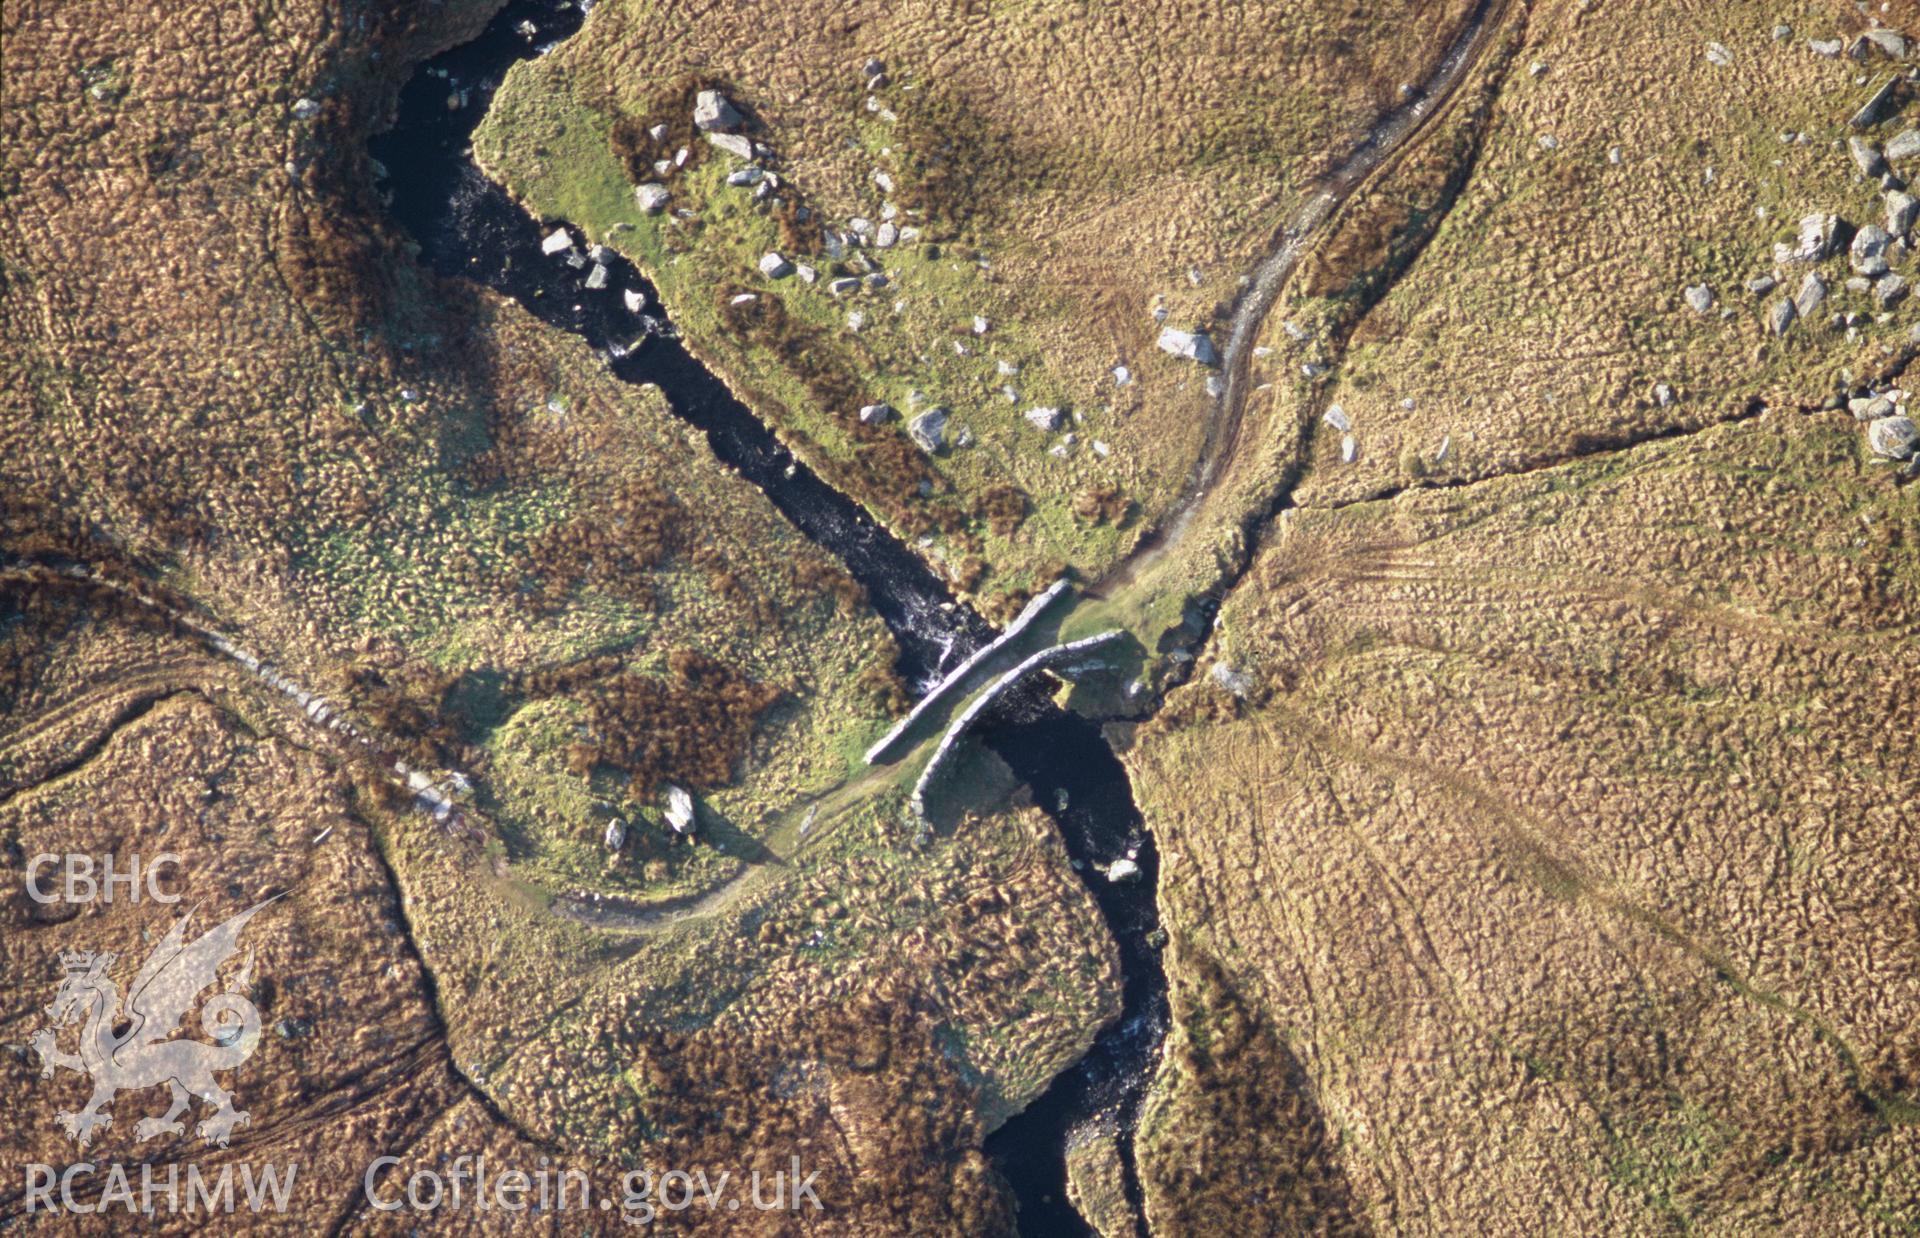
{"points": [[468, 227]]}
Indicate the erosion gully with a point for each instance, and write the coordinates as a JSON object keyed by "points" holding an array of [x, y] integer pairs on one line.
{"points": [[467, 226]]}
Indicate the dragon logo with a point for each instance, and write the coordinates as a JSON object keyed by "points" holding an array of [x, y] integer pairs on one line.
{"points": [[132, 1049]]}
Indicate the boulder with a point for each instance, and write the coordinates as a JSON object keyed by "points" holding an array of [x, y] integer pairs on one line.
{"points": [[1193, 345], [713, 113], [1336, 417], [773, 266], [1819, 236], [1876, 105], [876, 414], [1046, 418], [886, 236], [652, 197], [1700, 297], [1888, 42], [1781, 316], [1813, 290], [557, 242], [1896, 438], [615, 835], [1866, 157], [1123, 870], [1761, 285], [1237, 682], [1825, 47], [1869, 252], [1890, 290], [1902, 209], [748, 175], [733, 144], [679, 809], [929, 429], [841, 287], [1905, 145]]}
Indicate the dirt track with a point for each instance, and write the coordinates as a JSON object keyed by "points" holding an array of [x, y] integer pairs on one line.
{"points": [[1269, 277]]}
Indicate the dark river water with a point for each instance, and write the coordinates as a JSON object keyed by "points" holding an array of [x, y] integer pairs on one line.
{"points": [[467, 226]]}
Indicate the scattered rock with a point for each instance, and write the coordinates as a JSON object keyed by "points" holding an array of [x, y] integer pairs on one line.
{"points": [[1761, 285], [876, 414], [652, 197], [885, 236], [1700, 297], [658, 132], [1905, 144], [713, 113], [1336, 417], [1866, 157], [773, 266], [1046, 418], [306, 109], [1825, 47], [1718, 54], [1663, 395], [841, 287], [1349, 449], [733, 144], [748, 175], [615, 835], [679, 809], [1193, 345], [929, 429], [1782, 32], [1890, 290], [1893, 437]]}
